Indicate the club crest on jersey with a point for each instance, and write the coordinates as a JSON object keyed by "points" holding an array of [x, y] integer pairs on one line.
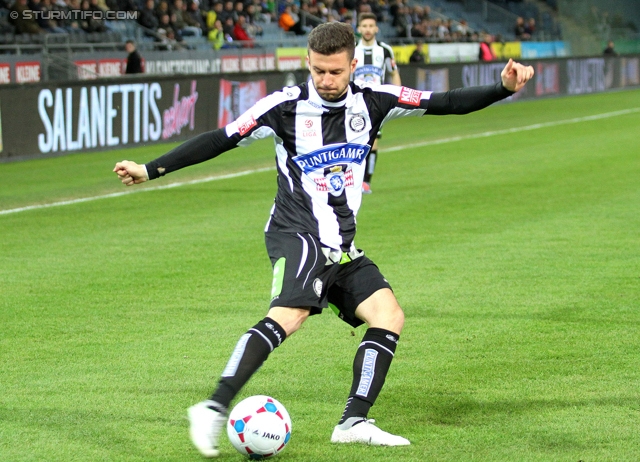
{"points": [[357, 123], [332, 155], [410, 96], [335, 180]]}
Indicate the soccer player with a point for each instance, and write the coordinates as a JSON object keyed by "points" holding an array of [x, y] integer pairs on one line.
{"points": [[375, 62], [323, 130]]}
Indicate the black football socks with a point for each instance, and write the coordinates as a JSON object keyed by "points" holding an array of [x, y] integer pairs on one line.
{"points": [[370, 368], [250, 352]]}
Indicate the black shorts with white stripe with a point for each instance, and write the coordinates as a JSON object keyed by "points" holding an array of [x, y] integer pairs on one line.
{"points": [[306, 275]]}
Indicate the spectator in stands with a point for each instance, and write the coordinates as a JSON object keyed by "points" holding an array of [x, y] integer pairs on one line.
{"points": [[134, 60], [486, 52], [289, 23], [262, 13], [21, 23], [90, 22], [228, 27], [161, 9], [70, 23], [182, 23], [216, 35], [418, 55], [98, 5], [421, 29], [327, 11], [610, 50], [213, 15], [311, 15], [167, 32], [402, 21], [147, 17], [119, 5], [240, 33], [196, 17], [46, 23], [394, 7], [462, 30], [266, 8], [519, 30], [239, 10], [417, 13], [530, 27], [348, 18], [252, 27], [228, 12], [442, 33], [167, 39]]}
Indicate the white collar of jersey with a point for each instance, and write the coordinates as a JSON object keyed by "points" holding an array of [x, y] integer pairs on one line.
{"points": [[360, 44], [314, 97]]}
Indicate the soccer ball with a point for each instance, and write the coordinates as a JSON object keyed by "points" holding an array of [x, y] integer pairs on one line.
{"points": [[259, 427]]}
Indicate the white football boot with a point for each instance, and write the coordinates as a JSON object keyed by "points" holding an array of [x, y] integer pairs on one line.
{"points": [[206, 424], [365, 432]]}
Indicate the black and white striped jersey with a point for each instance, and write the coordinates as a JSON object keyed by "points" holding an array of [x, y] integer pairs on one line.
{"points": [[374, 62], [321, 148]]}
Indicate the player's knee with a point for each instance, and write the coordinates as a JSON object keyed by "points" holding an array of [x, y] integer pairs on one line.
{"points": [[382, 311], [395, 319], [290, 319]]}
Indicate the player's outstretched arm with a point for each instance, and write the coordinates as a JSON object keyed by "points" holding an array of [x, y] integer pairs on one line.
{"points": [[395, 78], [131, 173], [515, 75]]}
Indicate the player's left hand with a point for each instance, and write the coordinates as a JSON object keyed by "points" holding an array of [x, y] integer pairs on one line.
{"points": [[515, 75]]}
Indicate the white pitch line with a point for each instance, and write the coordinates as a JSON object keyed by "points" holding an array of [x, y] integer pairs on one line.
{"points": [[506, 131], [453, 139], [133, 191]]}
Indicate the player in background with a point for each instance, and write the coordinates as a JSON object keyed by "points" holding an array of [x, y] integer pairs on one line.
{"points": [[375, 62]]}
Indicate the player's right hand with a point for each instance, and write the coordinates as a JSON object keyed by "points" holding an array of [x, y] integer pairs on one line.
{"points": [[131, 173]]}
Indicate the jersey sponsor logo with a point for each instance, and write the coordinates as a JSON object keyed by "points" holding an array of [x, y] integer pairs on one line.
{"points": [[357, 123], [245, 123], [368, 69], [331, 155], [368, 372], [410, 96]]}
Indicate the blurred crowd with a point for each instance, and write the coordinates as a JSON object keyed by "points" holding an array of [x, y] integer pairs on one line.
{"points": [[230, 23]]}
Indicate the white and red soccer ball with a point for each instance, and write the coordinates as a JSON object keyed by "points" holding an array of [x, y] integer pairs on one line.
{"points": [[259, 427]]}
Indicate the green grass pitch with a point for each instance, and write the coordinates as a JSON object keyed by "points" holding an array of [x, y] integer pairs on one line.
{"points": [[515, 256]]}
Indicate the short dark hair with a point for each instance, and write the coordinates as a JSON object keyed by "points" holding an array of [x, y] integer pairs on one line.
{"points": [[332, 38], [367, 15]]}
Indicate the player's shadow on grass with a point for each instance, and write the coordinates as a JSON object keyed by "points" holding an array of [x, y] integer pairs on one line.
{"points": [[462, 410]]}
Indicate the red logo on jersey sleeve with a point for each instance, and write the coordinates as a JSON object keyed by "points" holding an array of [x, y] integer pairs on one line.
{"points": [[410, 96], [245, 123]]}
